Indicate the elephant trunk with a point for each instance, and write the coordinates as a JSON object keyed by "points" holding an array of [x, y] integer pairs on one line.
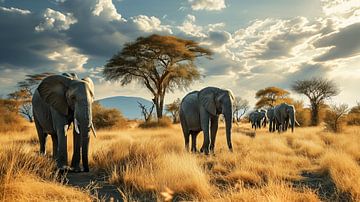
{"points": [[83, 117], [228, 123], [292, 119]]}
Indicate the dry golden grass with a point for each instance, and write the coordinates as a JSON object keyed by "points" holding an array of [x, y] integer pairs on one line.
{"points": [[151, 164]]}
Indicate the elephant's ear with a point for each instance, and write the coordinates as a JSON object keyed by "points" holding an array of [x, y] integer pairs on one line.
{"points": [[53, 91], [207, 99], [90, 84]]}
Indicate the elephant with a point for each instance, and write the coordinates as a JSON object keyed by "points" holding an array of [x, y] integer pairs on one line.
{"points": [[272, 121], [58, 101], [284, 115], [258, 118], [200, 110]]}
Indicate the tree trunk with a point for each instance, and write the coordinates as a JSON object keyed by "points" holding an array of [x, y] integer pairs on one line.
{"points": [[314, 114], [159, 104]]}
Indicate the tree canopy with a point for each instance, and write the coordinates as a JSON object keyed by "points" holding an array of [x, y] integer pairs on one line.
{"points": [[271, 96], [160, 63]]}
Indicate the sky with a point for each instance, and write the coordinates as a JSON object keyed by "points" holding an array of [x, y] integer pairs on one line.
{"points": [[256, 44]]}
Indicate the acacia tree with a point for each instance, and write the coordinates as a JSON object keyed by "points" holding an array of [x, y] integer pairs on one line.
{"points": [[317, 90], [174, 109], [240, 108], [24, 93], [160, 63], [271, 96]]}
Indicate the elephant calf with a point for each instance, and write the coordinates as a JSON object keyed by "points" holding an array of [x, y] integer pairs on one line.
{"points": [[200, 110]]}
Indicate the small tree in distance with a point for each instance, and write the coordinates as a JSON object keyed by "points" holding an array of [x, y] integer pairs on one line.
{"points": [[335, 118], [241, 106], [160, 63], [174, 109], [25, 92], [317, 90], [146, 112]]}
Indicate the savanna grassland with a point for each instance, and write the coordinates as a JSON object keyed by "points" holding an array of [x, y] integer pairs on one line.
{"points": [[151, 164]]}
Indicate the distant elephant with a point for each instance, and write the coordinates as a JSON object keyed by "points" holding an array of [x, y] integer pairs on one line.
{"points": [[285, 115], [272, 121], [258, 118], [200, 110], [59, 101]]}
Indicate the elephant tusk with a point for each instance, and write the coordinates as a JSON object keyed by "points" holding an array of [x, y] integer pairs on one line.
{"points": [[297, 123], [93, 129], [76, 126]]}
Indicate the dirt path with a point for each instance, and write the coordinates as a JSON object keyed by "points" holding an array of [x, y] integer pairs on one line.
{"points": [[98, 184]]}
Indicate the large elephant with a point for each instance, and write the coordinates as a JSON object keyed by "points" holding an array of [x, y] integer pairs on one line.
{"points": [[272, 121], [59, 101], [258, 118], [285, 115], [200, 110]]}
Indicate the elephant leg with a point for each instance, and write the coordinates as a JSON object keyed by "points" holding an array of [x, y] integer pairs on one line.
{"points": [[186, 134], [205, 128], [213, 127], [42, 137], [193, 141], [75, 162], [61, 158], [55, 145], [85, 152], [270, 126]]}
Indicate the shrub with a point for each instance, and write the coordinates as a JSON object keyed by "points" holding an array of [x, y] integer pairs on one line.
{"points": [[164, 122], [303, 115], [353, 117], [10, 120], [335, 118], [104, 118]]}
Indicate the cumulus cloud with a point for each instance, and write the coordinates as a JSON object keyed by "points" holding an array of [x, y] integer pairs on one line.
{"points": [[342, 44], [150, 24], [190, 28], [274, 38], [342, 12], [210, 5], [55, 20], [67, 58], [107, 10]]}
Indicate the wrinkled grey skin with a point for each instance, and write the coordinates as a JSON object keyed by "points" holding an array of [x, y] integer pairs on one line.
{"points": [[57, 102], [285, 115], [200, 110], [258, 118], [272, 121]]}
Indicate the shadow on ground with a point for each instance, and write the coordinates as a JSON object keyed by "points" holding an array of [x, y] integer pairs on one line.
{"points": [[322, 183], [97, 183]]}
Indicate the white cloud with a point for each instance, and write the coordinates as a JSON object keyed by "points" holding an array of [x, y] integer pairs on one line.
{"points": [[107, 10], [342, 44], [15, 10], [150, 24], [56, 21], [342, 12], [67, 58], [190, 28], [210, 5]]}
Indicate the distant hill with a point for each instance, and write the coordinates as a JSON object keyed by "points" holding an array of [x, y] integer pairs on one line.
{"points": [[127, 105]]}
